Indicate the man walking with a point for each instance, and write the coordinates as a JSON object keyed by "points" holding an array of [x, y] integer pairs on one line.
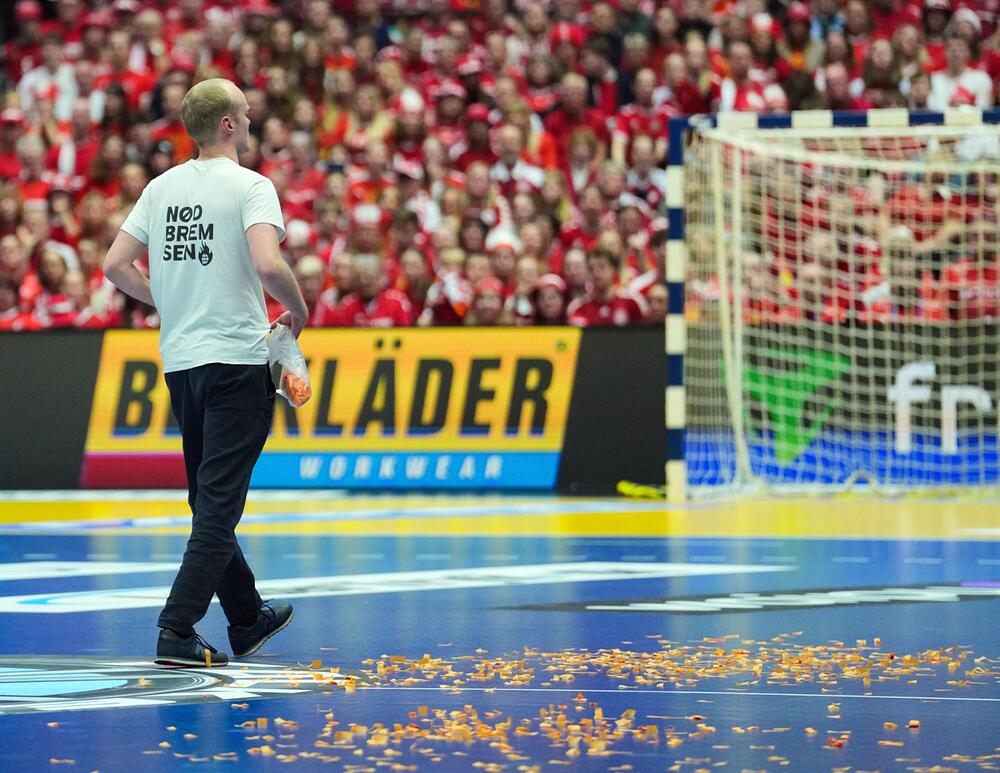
{"points": [[212, 230]]}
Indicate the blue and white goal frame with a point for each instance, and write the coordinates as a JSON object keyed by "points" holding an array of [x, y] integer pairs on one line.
{"points": [[676, 258]]}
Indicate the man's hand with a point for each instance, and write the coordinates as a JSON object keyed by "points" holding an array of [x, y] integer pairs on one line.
{"points": [[289, 321]]}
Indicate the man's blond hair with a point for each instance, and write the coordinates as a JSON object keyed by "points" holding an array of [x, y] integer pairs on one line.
{"points": [[204, 106]]}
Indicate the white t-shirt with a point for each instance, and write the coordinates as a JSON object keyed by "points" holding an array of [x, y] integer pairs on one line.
{"points": [[971, 87], [194, 219]]}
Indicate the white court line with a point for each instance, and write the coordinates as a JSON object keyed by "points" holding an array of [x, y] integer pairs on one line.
{"points": [[828, 696]]}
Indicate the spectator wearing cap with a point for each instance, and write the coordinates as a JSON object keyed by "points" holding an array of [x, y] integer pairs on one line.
{"points": [[476, 146], [54, 77], [449, 109], [798, 50], [511, 173], [959, 84], [825, 18], [571, 113], [12, 318], [549, 301], [503, 246], [12, 122], [605, 305], [488, 303], [937, 14], [966, 22], [23, 51], [565, 42], [95, 26], [739, 92]]}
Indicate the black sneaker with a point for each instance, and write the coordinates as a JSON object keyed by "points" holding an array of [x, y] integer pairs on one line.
{"points": [[173, 649], [273, 617]]}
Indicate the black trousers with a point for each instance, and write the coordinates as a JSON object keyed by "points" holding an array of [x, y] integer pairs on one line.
{"points": [[224, 412]]}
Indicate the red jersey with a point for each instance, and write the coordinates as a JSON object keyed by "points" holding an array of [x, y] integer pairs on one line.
{"points": [[16, 320], [560, 126], [135, 84], [971, 290], [633, 120], [390, 308], [176, 135], [623, 309]]}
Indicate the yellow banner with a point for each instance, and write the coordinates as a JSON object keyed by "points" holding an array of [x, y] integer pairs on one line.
{"points": [[463, 389]]}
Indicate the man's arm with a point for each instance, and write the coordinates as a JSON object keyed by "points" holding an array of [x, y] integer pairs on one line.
{"points": [[276, 276], [119, 267]]}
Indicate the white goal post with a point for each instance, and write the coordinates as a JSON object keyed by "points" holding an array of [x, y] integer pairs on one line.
{"points": [[834, 301]]}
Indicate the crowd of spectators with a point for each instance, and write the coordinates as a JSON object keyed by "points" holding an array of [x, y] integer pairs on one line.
{"points": [[439, 162]]}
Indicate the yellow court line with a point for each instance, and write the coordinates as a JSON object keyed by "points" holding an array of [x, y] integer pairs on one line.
{"points": [[843, 518]]}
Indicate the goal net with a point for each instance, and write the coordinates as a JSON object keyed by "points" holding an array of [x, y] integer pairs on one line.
{"points": [[841, 304]]}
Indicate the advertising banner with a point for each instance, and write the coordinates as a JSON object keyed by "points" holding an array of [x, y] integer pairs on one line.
{"points": [[905, 405], [391, 409]]}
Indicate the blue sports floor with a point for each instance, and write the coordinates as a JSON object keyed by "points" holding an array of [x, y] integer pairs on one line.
{"points": [[513, 634]]}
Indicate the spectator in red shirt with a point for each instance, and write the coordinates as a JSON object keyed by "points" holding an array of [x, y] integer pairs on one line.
{"points": [[837, 91], [573, 113], [72, 156], [488, 303], [170, 127], [476, 146], [369, 305], [11, 126], [858, 27], [414, 280], [35, 181], [136, 84], [640, 117], [602, 77], [937, 14], [972, 285], [739, 92], [700, 75], [511, 173], [582, 160], [605, 305], [12, 318]]}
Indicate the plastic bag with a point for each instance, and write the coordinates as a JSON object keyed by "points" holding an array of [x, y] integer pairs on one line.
{"points": [[283, 349]]}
